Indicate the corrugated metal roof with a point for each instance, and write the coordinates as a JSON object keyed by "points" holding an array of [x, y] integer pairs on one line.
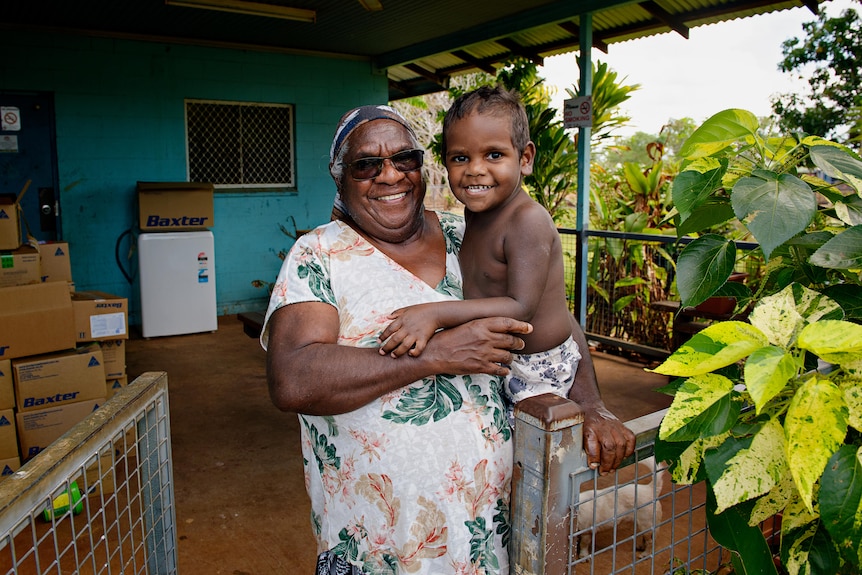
{"points": [[419, 44]]}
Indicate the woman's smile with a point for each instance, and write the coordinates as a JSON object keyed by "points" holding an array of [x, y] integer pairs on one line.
{"points": [[391, 198]]}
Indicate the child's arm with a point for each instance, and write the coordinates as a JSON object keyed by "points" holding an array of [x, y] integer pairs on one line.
{"points": [[527, 253], [413, 326]]}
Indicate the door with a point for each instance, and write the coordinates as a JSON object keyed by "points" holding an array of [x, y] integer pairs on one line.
{"points": [[28, 152]]}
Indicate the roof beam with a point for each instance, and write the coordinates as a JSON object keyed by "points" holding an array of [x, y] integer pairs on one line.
{"points": [[575, 31], [519, 50], [442, 81], [475, 62], [554, 12], [655, 10], [812, 5]]}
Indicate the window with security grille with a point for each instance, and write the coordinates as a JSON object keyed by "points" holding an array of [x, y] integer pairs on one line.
{"points": [[240, 145]]}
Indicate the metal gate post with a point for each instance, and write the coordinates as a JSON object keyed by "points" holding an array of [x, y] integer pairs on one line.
{"points": [[548, 450]]}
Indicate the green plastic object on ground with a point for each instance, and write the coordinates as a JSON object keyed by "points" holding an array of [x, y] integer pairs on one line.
{"points": [[61, 503]]}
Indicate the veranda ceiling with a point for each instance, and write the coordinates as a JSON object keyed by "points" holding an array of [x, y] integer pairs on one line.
{"points": [[419, 45]]}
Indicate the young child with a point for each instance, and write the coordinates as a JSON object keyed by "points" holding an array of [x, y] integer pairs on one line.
{"points": [[511, 256]]}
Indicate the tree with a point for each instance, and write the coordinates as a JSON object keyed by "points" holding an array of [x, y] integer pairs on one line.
{"points": [[833, 106], [638, 148]]}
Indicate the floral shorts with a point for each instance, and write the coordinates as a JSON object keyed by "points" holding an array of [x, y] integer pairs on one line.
{"points": [[551, 371]]}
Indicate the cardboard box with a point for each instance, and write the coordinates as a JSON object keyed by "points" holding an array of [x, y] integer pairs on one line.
{"points": [[35, 319], [175, 206], [114, 354], [7, 388], [8, 437], [20, 267], [55, 262], [114, 385], [59, 378], [9, 466], [10, 223], [39, 428], [100, 316]]}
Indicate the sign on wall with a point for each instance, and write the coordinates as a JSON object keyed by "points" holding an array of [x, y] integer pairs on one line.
{"points": [[10, 118]]}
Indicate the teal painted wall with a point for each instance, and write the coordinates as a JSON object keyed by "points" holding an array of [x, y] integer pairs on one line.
{"points": [[119, 108]]}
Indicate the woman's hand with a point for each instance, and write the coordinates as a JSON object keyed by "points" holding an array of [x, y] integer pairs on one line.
{"points": [[478, 346]]}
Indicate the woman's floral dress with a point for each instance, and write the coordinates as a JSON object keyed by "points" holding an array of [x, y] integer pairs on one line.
{"points": [[417, 481]]}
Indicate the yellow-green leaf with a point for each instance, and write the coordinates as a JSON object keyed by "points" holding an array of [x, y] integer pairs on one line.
{"points": [[775, 501], [717, 346], [692, 398], [767, 371], [853, 368], [797, 519], [796, 513], [851, 387], [814, 428], [797, 554], [833, 340], [690, 460], [754, 471], [777, 318]]}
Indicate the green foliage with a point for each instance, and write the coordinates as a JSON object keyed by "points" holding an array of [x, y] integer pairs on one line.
{"points": [[643, 149], [767, 184], [625, 276], [833, 106], [788, 454], [770, 411]]}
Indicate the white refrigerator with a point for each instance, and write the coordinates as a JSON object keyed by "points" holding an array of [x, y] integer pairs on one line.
{"points": [[177, 277]]}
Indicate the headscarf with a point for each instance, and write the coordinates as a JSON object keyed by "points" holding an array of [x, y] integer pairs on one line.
{"points": [[346, 126]]}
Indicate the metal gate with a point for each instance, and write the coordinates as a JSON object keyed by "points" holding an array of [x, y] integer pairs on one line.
{"points": [[566, 520], [115, 466]]}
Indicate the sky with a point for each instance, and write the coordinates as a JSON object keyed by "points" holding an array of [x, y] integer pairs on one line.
{"points": [[727, 65]]}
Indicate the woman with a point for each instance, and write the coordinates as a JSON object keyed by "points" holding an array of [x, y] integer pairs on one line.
{"points": [[408, 471]]}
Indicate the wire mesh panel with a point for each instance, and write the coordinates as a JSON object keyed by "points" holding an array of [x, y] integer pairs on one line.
{"points": [[636, 521], [240, 144], [567, 520], [99, 500]]}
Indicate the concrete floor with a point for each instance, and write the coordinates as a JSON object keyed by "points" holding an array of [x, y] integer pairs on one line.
{"points": [[241, 506]]}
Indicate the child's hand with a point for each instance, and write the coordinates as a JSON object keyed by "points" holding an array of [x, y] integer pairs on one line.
{"points": [[409, 331]]}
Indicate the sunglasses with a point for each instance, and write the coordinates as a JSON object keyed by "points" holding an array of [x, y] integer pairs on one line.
{"points": [[369, 168]]}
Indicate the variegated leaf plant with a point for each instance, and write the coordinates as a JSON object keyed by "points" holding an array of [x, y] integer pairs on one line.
{"points": [[768, 411]]}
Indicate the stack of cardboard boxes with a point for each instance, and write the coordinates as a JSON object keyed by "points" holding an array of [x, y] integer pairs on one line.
{"points": [[62, 352]]}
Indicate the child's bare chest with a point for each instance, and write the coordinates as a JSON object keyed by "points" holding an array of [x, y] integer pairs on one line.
{"points": [[483, 263]]}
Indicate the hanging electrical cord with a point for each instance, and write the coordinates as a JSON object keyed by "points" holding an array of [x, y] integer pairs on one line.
{"points": [[129, 275]]}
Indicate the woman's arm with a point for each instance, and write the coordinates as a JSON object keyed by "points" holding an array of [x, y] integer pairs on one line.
{"points": [[606, 440], [308, 372]]}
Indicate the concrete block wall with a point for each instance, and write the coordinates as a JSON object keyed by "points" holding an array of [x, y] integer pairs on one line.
{"points": [[120, 119]]}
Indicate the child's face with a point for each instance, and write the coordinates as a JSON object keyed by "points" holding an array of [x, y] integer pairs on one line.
{"points": [[485, 169]]}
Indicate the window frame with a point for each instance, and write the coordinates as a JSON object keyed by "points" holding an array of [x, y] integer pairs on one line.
{"points": [[247, 187]]}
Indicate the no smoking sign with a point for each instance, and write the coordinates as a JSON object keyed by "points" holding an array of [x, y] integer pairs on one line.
{"points": [[578, 112], [11, 119]]}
